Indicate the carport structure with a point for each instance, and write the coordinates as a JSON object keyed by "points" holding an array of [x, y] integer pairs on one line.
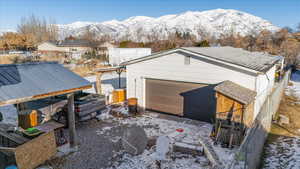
{"points": [[21, 83]]}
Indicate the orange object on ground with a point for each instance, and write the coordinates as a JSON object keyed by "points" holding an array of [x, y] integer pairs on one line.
{"points": [[28, 118], [132, 101], [119, 95]]}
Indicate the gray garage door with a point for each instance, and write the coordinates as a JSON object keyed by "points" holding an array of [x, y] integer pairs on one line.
{"points": [[192, 100]]}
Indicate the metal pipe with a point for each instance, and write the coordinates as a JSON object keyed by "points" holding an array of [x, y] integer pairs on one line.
{"points": [[71, 121]]}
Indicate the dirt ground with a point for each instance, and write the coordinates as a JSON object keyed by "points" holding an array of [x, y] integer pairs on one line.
{"points": [[96, 151], [290, 108]]}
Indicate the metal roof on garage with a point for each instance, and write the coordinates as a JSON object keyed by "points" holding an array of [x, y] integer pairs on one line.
{"points": [[30, 81], [257, 61]]}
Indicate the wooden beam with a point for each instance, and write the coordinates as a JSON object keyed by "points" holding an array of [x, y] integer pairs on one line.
{"points": [[7, 149], [107, 69], [98, 83], [71, 121], [41, 96]]}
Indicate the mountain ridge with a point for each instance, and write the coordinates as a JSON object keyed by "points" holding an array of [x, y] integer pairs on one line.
{"points": [[210, 23]]}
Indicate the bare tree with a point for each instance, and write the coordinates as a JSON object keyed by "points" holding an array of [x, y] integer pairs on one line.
{"points": [[290, 49], [39, 29], [88, 34], [152, 36]]}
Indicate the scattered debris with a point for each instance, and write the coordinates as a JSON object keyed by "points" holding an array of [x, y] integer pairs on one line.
{"points": [[162, 147], [105, 114], [283, 119], [134, 140], [210, 153], [187, 148]]}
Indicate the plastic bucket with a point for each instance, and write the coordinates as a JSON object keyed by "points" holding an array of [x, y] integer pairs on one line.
{"points": [[119, 95]]}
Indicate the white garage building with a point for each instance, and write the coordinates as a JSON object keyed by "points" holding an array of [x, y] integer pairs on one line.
{"points": [[181, 81]]}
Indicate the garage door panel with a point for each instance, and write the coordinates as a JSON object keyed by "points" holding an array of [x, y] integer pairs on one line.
{"points": [[165, 108], [165, 99], [185, 99]]}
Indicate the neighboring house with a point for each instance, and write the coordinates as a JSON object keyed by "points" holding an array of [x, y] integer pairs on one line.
{"points": [[102, 49], [119, 55], [182, 81], [50, 47], [73, 48]]}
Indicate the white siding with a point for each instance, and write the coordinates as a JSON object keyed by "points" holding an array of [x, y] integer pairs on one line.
{"points": [[264, 86], [172, 67]]}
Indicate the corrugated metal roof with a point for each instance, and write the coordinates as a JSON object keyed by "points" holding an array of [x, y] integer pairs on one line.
{"points": [[257, 61], [236, 92], [31, 79]]}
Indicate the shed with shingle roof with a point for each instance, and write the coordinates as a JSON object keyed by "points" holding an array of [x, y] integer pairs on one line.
{"points": [[235, 102], [236, 92]]}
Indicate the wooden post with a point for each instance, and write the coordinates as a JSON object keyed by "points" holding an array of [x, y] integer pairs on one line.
{"points": [[98, 83], [71, 121]]}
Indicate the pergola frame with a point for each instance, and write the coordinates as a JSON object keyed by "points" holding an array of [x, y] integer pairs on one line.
{"points": [[100, 71]]}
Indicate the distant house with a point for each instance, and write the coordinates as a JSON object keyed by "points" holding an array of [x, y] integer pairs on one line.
{"points": [[102, 48], [119, 55], [67, 47], [50, 46], [182, 81]]}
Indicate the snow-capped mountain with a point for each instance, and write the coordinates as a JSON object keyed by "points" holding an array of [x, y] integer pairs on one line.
{"points": [[142, 28]]}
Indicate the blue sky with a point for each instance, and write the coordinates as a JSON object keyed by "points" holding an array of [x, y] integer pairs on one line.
{"points": [[279, 12]]}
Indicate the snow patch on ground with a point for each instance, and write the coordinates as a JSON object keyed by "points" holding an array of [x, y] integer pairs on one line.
{"points": [[283, 153], [155, 126], [103, 130], [147, 161]]}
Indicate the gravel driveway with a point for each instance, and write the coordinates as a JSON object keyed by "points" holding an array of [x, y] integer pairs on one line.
{"points": [[96, 150]]}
